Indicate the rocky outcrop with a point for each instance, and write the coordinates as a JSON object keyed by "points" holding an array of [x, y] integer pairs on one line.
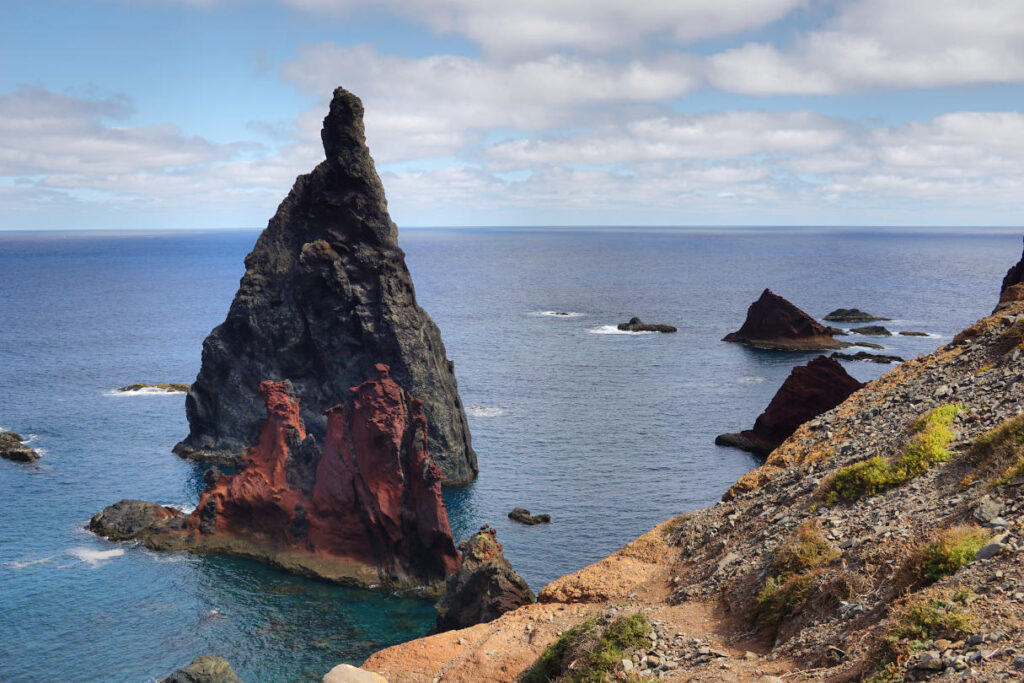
{"points": [[1014, 276], [852, 315], [913, 333], [774, 323], [638, 325], [326, 295], [864, 355], [872, 331], [12, 447], [523, 516], [809, 391], [366, 509], [484, 588], [204, 669], [170, 388]]}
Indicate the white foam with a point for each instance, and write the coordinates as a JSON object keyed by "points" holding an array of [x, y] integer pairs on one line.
{"points": [[21, 564], [186, 509], [146, 391], [752, 379], [612, 329], [484, 411], [559, 314], [96, 558]]}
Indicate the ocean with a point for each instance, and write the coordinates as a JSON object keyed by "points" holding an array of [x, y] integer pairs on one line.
{"points": [[609, 433]]}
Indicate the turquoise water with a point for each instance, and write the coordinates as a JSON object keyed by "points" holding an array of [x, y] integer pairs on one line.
{"points": [[609, 433]]}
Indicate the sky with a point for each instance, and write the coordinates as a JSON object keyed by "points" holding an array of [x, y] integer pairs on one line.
{"points": [[199, 114]]}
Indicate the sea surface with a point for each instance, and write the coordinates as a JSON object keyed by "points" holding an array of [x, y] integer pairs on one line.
{"points": [[609, 433]]}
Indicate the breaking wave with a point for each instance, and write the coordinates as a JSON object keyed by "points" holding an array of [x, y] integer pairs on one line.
{"points": [[612, 329], [96, 558], [484, 411]]}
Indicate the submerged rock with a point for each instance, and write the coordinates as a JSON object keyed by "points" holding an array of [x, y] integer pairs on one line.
{"points": [[326, 295], [872, 331], [864, 355], [638, 325], [774, 323], [809, 391], [852, 315], [523, 516], [365, 510], [12, 447], [205, 669], [484, 588], [912, 333], [171, 388]]}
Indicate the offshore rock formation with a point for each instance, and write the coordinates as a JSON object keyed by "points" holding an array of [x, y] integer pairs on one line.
{"points": [[366, 510], [13, 448], [852, 315], [865, 356], [484, 588], [809, 391], [872, 331], [638, 325], [205, 669], [774, 323], [523, 516], [325, 296]]}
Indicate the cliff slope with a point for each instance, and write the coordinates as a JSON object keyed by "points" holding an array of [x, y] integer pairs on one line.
{"points": [[326, 295], [883, 541]]}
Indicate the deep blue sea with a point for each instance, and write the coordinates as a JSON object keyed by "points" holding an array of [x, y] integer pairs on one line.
{"points": [[609, 433]]}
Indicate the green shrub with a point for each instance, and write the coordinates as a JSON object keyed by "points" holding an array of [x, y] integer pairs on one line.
{"points": [[953, 549], [803, 549], [915, 626], [597, 650], [780, 597], [549, 665], [1002, 450], [933, 432]]}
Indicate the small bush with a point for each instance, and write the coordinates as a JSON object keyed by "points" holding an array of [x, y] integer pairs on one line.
{"points": [[803, 549], [596, 650], [933, 433], [781, 597], [953, 549], [549, 665], [1001, 451], [916, 625]]}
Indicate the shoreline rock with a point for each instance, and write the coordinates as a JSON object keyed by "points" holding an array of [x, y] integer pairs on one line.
{"points": [[13, 448], [484, 588], [366, 510], [809, 391], [205, 669], [864, 355], [772, 322], [326, 295], [872, 331], [852, 315], [638, 325], [523, 516]]}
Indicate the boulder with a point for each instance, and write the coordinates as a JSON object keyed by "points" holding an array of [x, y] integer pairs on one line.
{"points": [[852, 315], [865, 356], [346, 673], [325, 296], [364, 510], [523, 516], [12, 447], [774, 323], [484, 588], [638, 325], [809, 391], [872, 331], [204, 669]]}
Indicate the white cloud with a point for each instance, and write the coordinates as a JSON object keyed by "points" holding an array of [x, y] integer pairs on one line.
{"points": [[885, 43]]}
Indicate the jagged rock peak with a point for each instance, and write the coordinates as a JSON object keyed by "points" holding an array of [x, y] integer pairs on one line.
{"points": [[773, 322], [325, 297]]}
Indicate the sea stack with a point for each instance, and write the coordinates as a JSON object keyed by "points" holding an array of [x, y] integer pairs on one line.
{"points": [[364, 510], [326, 295], [774, 323], [809, 391], [1013, 285]]}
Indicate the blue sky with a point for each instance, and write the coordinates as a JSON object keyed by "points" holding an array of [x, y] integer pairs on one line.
{"points": [[175, 114]]}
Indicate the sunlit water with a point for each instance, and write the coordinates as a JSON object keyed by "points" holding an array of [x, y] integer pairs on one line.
{"points": [[609, 433]]}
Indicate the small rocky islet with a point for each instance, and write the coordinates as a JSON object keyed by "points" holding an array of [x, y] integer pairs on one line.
{"points": [[12, 447], [772, 322], [170, 388], [638, 325]]}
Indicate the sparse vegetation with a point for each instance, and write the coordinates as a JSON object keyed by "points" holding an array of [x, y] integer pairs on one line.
{"points": [[916, 625], [933, 433], [953, 549], [593, 650], [1001, 451], [803, 549]]}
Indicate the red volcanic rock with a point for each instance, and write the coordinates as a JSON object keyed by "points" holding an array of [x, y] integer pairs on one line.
{"points": [[366, 510], [809, 391], [774, 323]]}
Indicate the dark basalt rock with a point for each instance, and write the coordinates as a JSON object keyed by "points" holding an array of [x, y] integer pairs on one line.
{"points": [[484, 588], [869, 345], [1012, 288], [326, 295], [852, 315], [638, 325], [837, 331], [13, 448], [523, 516], [864, 355], [171, 388], [872, 331], [809, 391], [205, 669], [912, 333], [774, 323]]}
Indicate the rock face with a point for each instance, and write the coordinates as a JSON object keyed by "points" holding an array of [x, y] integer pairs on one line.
{"points": [[809, 391], [364, 510], [484, 588], [638, 325], [204, 669], [1014, 276], [852, 315], [13, 448], [774, 323], [325, 296]]}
